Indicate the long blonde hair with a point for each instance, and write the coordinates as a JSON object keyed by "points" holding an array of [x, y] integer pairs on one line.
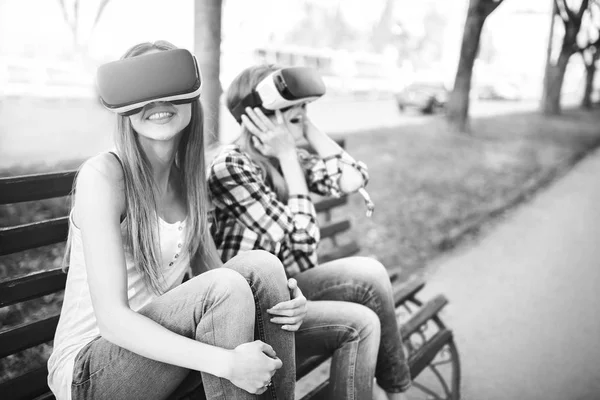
{"points": [[240, 87], [141, 220]]}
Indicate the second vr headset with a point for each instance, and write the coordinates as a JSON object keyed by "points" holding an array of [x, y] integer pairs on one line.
{"points": [[281, 89], [126, 86]]}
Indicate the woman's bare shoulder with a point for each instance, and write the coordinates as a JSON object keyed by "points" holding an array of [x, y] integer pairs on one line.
{"points": [[102, 168], [101, 177]]}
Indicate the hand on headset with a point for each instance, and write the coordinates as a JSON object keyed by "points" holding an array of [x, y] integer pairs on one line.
{"points": [[271, 139]]}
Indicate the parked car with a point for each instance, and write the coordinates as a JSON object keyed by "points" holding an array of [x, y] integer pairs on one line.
{"points": [[427, 97], [499, 91]]}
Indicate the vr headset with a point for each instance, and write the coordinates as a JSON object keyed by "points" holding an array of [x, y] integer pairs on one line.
{"points": [[126, 86], [282, 89]]}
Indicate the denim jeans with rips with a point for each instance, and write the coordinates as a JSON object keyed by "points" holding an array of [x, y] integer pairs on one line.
{"points": [[224, 307], [351, 316]]}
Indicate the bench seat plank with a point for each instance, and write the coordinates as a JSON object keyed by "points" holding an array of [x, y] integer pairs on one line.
{"points": [[422, 357], [430, 309], [406, 290]]}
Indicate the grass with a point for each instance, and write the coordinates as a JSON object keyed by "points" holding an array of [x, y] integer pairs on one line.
{"points": [[433, 190]]}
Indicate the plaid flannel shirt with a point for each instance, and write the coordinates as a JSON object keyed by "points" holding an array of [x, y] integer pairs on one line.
{"points": [[249, 216]]}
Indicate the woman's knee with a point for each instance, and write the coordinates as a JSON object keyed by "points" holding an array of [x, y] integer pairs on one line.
{"points": [[226, 283], [258, 264], [367, 322], [368, 271], [362, 326]]}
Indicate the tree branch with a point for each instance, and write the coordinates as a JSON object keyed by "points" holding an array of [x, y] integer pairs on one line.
{"points": [[65, 14], [584, 5], [99, 12], [488, 6], [560, 11]]}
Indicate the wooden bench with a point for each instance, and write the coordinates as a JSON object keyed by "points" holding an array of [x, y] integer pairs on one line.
{"points": [[27, 328]]}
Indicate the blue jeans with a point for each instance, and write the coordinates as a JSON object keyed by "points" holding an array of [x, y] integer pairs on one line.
{"points": [[351, 316], [223, 307]]}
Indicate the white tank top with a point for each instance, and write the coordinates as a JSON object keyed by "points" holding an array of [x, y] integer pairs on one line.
{"points": [[77, 325]]}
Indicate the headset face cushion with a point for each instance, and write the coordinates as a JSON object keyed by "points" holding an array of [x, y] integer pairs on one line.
{"points": [[125, 86]]}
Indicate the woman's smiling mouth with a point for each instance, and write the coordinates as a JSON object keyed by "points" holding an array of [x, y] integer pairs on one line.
{"points": [[159, 116]]}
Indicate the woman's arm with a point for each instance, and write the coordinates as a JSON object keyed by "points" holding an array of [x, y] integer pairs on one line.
{"points": [[352, 175], [99, 203], [236, 186]]}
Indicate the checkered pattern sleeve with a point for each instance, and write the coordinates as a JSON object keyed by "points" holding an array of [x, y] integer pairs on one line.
{"points": [[237, 186], [323, 174]]}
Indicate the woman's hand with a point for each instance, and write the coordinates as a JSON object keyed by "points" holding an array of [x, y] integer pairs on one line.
{"points": [[252, 367], [290, 313], [271, 139]]}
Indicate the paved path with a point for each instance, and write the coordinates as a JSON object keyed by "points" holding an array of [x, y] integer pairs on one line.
{"points": [[525, 301]]}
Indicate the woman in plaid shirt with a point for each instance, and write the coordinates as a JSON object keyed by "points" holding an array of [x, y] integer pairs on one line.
{"points": [[260, 189]]}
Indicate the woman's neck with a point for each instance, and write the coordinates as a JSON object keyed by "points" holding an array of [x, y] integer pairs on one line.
{"points": [[161, 155]]}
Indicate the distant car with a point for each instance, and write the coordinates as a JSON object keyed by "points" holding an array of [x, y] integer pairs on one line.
{"points": [[427, 97], [499, 91]]}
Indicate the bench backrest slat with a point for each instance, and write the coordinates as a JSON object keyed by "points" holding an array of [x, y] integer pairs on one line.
{"points": [[342, 251], [335, 228], [36, 187], [27, 386], [27, 335], [31, 286], [329, 203], [33, 235]]}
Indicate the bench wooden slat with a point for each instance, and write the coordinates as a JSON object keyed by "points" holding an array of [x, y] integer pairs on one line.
{"points": [[431, 308], [28, 335], [329, 203], [422, 357], [346, 250], [334, 228], [27, 386], [405, 291], [32, 286], [36, 187], [318, 393], [35, 234]]}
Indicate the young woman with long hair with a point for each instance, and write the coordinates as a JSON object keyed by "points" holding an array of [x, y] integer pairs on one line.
{"points": [[260, 187], [130, 328]]}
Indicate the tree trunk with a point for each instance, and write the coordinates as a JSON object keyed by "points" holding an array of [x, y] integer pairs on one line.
{"points": [[590, 72], [207, 48], [458, 105], [555, 73], [553, 81]]}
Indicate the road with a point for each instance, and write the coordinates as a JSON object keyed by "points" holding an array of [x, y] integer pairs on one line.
{"points": [[38, 131]]}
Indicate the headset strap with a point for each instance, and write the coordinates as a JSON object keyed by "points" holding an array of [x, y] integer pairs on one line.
{"points": [[251, 100]]}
